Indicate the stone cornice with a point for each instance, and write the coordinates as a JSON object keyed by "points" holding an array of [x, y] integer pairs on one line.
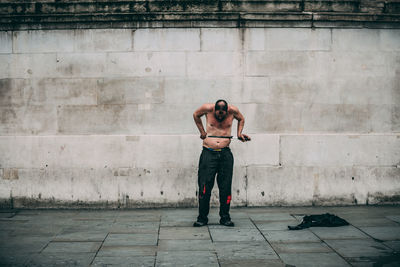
{"points": [[22, 15]]}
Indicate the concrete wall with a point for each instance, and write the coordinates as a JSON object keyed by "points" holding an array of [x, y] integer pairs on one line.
{"points": [[103, 117]]}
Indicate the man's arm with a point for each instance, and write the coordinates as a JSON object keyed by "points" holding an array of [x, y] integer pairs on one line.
{"points": [[197, 119], [237, 115]]}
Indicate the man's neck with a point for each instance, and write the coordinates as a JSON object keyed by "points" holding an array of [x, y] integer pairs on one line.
{"points": [[219, 120]]}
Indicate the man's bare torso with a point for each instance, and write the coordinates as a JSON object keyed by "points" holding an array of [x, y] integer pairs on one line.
{"points": [[219, 128]]}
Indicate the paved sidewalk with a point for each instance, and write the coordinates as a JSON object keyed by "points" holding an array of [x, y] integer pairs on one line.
{"points": [[165, 237]]}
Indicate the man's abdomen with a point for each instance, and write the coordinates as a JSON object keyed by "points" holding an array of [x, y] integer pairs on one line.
{"points": [[216, 143]]}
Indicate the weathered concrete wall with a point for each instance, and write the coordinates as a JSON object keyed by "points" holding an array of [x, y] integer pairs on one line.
{"points": [[103, 117]]}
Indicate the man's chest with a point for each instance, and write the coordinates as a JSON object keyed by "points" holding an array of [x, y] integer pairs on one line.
{"points": [[214, 123]]}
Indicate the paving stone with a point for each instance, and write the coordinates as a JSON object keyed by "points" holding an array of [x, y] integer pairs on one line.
{"points": [[97, 214], [145, 261], [45, 230], [271, 216], [43, 223], [382, 232], [212, 219], [128, 230], [235, 235], [144, 220], [395, 218], [6, 223], [187, 219], [290, 236], [185, 245], [131, 239], [186, 258], [180, 217], [132, 235], [72, 247], [22, 247], [358, 248], [359, 215], [313, 259], [95, 220], [6, 215], [390, 260], [5, 235], [32, 217], [372, 222], [15, 257], [52, 213], [134, 226], [23, 243], [179, 213], [360, 263], [26, 240], [67, 236], [127, 251], [238, 214], [61, 259], [394, 244], [239, 223], [275, 225], [342, 232], [89, 226], [8, 211], [245, 250], [252, 263], [300, 247], [138, 217], [184, 233], [184, 222]]}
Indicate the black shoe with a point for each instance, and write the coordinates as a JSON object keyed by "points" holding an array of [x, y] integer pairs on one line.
{"points": [[199, 224], [228, 223]]}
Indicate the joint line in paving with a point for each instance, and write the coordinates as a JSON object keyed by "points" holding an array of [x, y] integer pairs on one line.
{"points": [[47, 244], [14, 213], [216, 255], [159, 229], [265, 238], [208, 228], [373, 238], [158, 239], [212, 241], [155, 259], [102, 242]]}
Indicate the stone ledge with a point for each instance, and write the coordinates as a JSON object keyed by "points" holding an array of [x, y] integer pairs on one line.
{"points": [[184, 19], [24, 15], [30, 7]]}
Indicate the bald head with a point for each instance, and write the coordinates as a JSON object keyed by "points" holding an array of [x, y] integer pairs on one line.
{"points": [[221, 110], [221, 104]]}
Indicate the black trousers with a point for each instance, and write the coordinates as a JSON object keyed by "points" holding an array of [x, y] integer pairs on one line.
{"points": [[213, 163]]}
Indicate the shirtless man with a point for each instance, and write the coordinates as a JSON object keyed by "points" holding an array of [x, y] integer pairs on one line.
{"points": [[216, 157]]}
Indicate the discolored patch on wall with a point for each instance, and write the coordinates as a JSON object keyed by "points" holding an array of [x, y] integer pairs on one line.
{"points": [[10, 174], [395, 120], [8, 115], [383, 198], [132, 138], [124, 171], [5, 89], [332, 201]]}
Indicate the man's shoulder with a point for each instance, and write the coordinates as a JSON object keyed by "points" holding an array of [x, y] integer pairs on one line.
{"points": [[233, 108], [208, 106]]}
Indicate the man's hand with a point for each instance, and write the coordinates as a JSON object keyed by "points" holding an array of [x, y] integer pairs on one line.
{"points": [[203, 135], [244, 137]]}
